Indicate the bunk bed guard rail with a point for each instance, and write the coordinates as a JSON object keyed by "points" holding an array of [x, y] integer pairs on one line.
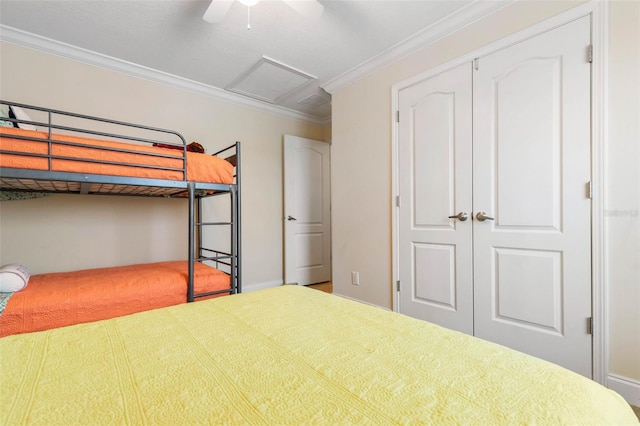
{"points": [[81, 126]]}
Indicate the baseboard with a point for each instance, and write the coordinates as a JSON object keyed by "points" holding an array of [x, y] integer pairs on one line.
{"points": [[628, 388], [357, 300], [260, 286]]}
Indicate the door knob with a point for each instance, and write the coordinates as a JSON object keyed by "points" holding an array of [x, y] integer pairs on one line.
{"points": [[291, 218], [462, 216], [482, 216]]}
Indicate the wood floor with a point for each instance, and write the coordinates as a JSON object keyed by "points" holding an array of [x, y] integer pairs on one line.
{"points": [[327, 287], [636, 410]]}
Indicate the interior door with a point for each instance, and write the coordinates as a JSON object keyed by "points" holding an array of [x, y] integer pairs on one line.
{"points": [[531, 149], [307, 221], [435, 229]]}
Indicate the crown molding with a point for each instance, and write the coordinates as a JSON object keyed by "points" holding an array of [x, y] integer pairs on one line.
{"points": [[441, 28], [65, 50]]}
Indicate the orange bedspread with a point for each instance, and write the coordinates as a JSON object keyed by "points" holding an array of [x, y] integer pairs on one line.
{"points": [[200, 167], [66, 298]]}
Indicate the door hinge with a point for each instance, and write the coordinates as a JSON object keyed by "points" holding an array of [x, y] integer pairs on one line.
{"points": [[397, 201], [589, 191], [398, 286], [476, 63], [590, 325], [590, 53], [398, 116]]}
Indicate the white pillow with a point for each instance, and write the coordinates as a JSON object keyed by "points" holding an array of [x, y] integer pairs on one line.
{"points": [[20, 114], [5, 123], [13, 277]]}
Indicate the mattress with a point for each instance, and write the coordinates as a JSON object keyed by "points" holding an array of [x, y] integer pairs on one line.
{"points": [[82, 159], [285, 355], [66, 298]]}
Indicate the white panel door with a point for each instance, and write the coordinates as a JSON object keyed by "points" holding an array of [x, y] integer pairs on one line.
{"points": [[434, 155], [531, 149], [307, 221]]}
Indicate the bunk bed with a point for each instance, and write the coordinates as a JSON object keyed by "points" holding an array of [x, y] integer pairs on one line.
{"points": [[286, 355], [62, 152]]}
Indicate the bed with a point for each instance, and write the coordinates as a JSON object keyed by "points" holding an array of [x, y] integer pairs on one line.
{"points": [[286, 355], [29, 149], [65, 298], [43, 150]]}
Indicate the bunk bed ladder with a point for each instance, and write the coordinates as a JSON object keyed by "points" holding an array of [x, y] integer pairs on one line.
{"points": [[238, 223], [196, 224], [192, 226]]}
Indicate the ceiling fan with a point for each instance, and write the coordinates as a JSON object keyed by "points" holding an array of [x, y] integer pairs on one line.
{"points": [[218, 9]]}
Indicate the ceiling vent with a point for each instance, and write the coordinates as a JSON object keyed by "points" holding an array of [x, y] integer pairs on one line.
{"points": [[314, 101], [270, 81]]}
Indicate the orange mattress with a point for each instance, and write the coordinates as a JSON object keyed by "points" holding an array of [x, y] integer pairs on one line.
{"points": [[66, 298], [200, 167]]}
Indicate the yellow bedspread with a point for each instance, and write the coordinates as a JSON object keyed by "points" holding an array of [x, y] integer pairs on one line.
{"points": [[287, 355]]}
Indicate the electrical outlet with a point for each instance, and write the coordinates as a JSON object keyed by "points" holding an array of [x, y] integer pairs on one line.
{"points": [[355, 278]]}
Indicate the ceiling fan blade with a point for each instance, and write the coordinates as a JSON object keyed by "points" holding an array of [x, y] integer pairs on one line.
{"points": [[306, 8], [217, 10]]}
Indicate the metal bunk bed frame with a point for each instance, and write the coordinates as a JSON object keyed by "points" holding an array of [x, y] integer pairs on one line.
{"points": [[49, 181]]}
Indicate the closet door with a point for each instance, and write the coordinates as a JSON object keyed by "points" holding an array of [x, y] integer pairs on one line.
{"points": [[531, 136], [434, 156]]}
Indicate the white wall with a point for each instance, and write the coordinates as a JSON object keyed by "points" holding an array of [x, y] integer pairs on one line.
{"points": [[622, 211], [361, 163], [67, 232]]}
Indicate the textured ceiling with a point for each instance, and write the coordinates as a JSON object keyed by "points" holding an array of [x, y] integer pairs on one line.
{"points": [[171, 36]]}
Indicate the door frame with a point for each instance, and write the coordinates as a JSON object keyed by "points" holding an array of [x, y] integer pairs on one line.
{"points": [[599, 13]]}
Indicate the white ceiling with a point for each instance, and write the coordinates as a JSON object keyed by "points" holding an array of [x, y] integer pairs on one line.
{"points": [[171, 37]]}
